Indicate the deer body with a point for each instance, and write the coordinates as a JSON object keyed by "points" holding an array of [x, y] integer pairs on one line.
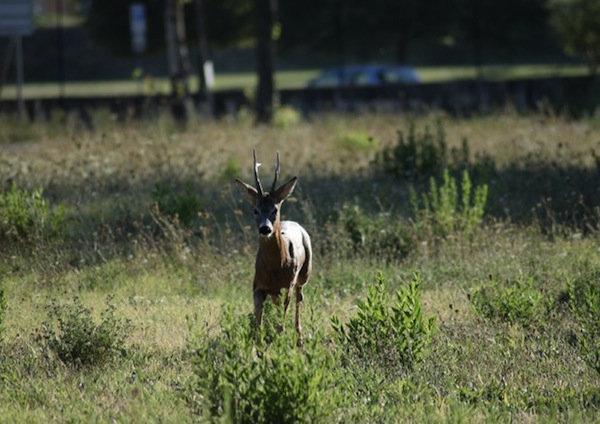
{"points": [[284, 258]]}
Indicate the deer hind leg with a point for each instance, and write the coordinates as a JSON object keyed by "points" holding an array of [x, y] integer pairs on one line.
{"points": [[299, 299]]}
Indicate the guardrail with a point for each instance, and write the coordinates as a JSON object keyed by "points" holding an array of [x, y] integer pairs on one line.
{"points": [[455, 97]]}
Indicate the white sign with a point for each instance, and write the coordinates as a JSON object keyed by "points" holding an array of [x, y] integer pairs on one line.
{"points": [[137, 25], [209, 74], [16, 17]]}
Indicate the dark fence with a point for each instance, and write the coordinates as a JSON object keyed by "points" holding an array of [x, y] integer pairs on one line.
{"points": [[456, 97]]}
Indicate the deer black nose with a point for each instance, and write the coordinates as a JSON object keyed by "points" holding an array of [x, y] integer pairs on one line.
{"points": [[264, 230]]}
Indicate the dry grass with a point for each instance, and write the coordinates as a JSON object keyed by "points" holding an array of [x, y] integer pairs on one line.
{"points": [[171, 278]]}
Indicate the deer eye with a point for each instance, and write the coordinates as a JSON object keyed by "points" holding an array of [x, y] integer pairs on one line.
{"points": [[256, 211]]}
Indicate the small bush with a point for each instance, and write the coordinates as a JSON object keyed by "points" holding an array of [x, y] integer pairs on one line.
{"points": [[383, 235], [393, 338], [181, 204], [448, 211], [519, 302], [231, 170], [72, 335], [356, 142], [421, 154], [27, 216], [275, 382], [286, 117]]}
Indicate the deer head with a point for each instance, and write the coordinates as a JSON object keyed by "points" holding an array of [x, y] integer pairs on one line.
{"points": [[267, 204]]}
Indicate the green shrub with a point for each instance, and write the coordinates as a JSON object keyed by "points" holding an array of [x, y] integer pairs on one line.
{"points": [[27, 216], [382, 235], [446, 210], [356, 142], [231, 170], [181, 204], [272, 382], [421, 154], [393, 338], [518, 302], [72, 335], [286, 117]]}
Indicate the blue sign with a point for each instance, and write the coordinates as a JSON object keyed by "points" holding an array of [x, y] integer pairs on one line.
{"points": [[16, 17], [137, 25]]}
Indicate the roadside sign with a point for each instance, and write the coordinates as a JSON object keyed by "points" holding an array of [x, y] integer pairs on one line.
{"points": [[209, 74], [16, 17], [137, 25], [16, 20]]}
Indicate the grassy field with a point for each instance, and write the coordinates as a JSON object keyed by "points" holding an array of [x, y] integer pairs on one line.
{"points": [[468, 295], [284, 79]]}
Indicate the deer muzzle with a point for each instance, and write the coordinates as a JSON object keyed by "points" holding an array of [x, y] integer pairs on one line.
{"points": [[265, 228]]}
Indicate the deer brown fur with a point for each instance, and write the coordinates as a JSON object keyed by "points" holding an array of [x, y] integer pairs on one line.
{"points": [[284, 258]]}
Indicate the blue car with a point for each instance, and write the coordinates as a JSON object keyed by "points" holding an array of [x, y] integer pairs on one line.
{"points": [[364, 75]]}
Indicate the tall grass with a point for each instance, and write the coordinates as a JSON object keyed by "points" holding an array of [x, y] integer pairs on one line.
{"points": [[146, 212]]}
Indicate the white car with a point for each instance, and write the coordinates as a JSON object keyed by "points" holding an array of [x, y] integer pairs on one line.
{"points": [[364, 75]]}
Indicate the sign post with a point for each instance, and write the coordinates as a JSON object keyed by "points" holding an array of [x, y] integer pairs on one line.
{"points": [[137, 26], [16, 20]]}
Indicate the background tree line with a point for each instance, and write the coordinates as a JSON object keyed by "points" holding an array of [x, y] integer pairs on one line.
{"points": [[349, 30]]}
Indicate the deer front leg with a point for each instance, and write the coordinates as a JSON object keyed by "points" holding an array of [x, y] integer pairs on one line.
{"points": [[286, 305], [259, 300], [299, 299]]}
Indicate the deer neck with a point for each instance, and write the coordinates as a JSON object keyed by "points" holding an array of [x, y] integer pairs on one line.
{"points": [[273, 248]]}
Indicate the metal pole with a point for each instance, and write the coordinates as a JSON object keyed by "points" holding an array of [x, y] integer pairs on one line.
{"points": [[204, 90], [60, 53], [19, 60], [7, 62]]}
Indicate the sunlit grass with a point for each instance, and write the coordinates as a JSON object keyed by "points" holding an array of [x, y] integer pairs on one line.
{"points": [[172, 284], [284, 79]]}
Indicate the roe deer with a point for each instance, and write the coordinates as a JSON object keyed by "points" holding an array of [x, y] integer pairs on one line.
{"points": [[284, 258]]}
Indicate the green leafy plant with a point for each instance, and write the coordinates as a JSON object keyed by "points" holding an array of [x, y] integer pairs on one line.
{"points": [[183, 204], [420, 154], [445, 210], [76, 339], [517, 302], [356, 142], [392, 337], [381, 235], [274, 382], [231, 170], [26, 216], [286, 117]]}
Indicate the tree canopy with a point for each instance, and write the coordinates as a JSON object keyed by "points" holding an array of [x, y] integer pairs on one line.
{"points": [[365, 30], [577, 25]]}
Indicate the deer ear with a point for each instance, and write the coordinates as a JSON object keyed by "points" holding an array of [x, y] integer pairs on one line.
{"points": [[285, 190], [250, 192]]}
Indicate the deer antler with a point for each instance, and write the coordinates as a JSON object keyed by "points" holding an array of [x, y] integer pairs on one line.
{"points": [[274, 185], [256, 178]]}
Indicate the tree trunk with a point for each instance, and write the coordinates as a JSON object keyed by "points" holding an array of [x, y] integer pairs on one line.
{"points": [[402, 50], [267, 11], [204, 92], [179, 60]]}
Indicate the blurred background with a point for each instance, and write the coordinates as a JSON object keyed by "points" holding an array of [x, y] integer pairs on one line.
{"points": [[191, 47]]}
